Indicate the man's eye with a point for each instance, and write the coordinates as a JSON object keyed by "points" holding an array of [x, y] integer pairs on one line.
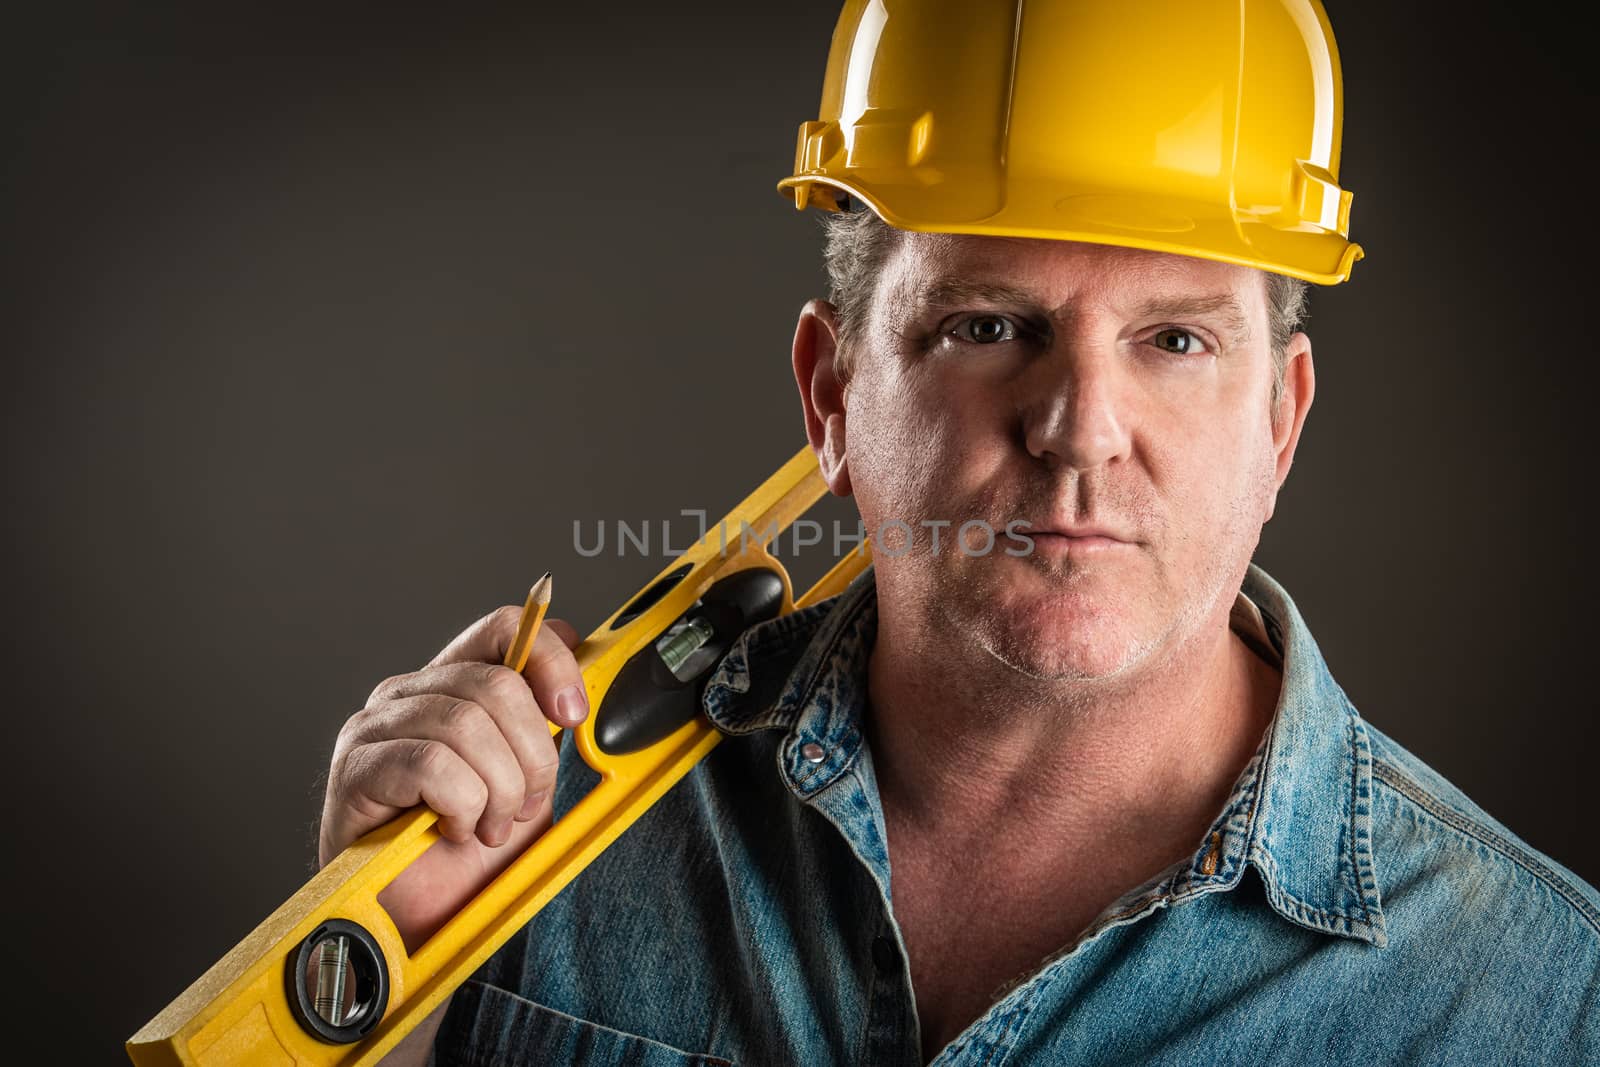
{"points": [[1178, 342], [986, 329]]}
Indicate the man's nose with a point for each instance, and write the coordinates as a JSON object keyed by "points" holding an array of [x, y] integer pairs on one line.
{"points": [[1072, 402]]}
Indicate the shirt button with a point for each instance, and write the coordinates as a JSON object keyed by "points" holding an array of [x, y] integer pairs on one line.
{"points": [[884, 957], [812, 752]]}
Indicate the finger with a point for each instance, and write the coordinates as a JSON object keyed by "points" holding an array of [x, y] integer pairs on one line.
{"points": [[485, 641], [386, 777], [489, 639], [500, 691], [554, 677], [471, 730], [569, 635], [561, 696]]}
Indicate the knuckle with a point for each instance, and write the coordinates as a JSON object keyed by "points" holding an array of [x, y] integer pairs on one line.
{"points": [[425, 757], [505, 617], [564, 630], [354, 728], [505, 779], [383, 689], [505, 687], [348, 770], [367, 764], [553, 653], [540, 763], [464, 718], [541, 776]]}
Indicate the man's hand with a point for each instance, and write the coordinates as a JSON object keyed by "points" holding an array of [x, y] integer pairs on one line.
{"points": [[466, 736]]}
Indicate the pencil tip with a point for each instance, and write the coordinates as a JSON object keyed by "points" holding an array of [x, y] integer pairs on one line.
{"points": [[540, 593]]}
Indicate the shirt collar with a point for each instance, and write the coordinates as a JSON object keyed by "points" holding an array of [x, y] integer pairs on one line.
{"points": [[1299, 812], [806, 673], [1309, 811]]}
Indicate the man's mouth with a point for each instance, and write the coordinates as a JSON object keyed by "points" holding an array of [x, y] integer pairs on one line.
{"points": [[1074, 541]]}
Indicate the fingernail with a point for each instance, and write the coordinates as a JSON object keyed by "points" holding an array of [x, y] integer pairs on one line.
{"points": [[503, 834], [572, 704], [530, 807]]}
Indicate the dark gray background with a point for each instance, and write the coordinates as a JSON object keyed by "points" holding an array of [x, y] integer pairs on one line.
{"points": [[324, 328]]}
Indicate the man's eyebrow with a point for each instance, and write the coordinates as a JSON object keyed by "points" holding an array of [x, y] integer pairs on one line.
{"points": [[1222, 307], [957, 292]]}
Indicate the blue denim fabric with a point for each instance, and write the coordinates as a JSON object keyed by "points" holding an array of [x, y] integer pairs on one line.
{"points": [[1362, 909]]}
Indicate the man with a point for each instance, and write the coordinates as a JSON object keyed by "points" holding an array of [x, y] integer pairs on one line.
{"points": [[1098, 801]]}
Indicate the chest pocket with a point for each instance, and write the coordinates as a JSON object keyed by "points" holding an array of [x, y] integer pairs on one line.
{"points": [[489, 1027]]}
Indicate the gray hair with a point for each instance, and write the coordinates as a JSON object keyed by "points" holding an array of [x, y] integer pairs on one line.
{"points": [[858, 246]]}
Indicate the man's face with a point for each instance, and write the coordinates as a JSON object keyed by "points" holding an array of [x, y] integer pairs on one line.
{"points": [[1071, 387]]}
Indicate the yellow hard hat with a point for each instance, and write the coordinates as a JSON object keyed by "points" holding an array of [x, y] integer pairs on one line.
{"points": [[1203, 127]]}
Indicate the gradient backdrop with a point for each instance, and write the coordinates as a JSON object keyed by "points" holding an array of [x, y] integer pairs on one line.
{"points": [[325, 325]]}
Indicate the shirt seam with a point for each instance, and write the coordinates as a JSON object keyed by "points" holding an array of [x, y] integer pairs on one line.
{"points": [[1359, 811], [1260, 832], [1029, 986], [1258, 852], [1027, 994], [581, 1021], [1414, 791], [1020, 1014], [1321, 920]]}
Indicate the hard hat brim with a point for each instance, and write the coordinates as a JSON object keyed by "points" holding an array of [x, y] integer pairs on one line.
{"points": [[1311, 253]]}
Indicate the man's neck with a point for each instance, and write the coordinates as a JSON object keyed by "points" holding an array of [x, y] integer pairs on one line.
{"points": [[977, 757]]}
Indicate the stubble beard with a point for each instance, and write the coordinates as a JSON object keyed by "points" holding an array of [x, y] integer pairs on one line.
{"points": [[1129, 629], [1078, 660], [976, 642]]}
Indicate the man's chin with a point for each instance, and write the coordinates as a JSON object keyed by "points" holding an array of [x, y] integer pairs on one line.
{"points": [[1076, 628], [1073, 657]]}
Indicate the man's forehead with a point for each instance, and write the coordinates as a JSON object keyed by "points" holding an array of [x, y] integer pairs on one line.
{"points": [[930, 271]]}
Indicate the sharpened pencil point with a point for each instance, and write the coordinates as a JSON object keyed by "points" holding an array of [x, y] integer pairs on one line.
{"points": [[528, 625]]}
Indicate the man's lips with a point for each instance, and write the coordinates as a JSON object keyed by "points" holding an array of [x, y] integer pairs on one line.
{"points": [[1080, 540], [1074, 545], [1081, 532]]}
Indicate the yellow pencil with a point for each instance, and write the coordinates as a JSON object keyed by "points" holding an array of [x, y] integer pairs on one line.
{"points": [[532, 615]]}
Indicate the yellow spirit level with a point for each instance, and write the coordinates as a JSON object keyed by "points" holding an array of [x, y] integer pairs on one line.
{"points": [[326, 980]]}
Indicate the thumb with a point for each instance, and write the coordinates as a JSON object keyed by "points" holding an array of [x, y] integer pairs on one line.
{"points": [[489, 639]]}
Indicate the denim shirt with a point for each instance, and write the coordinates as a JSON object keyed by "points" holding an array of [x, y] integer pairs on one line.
{"points": [[1348, 905]]}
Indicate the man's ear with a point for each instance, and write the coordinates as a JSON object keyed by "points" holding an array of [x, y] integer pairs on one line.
{"points": [[1299, 386], [822, 395]]}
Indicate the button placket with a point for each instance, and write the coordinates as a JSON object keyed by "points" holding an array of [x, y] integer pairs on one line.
{"points": [[884, 956], [892, 1027]]}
